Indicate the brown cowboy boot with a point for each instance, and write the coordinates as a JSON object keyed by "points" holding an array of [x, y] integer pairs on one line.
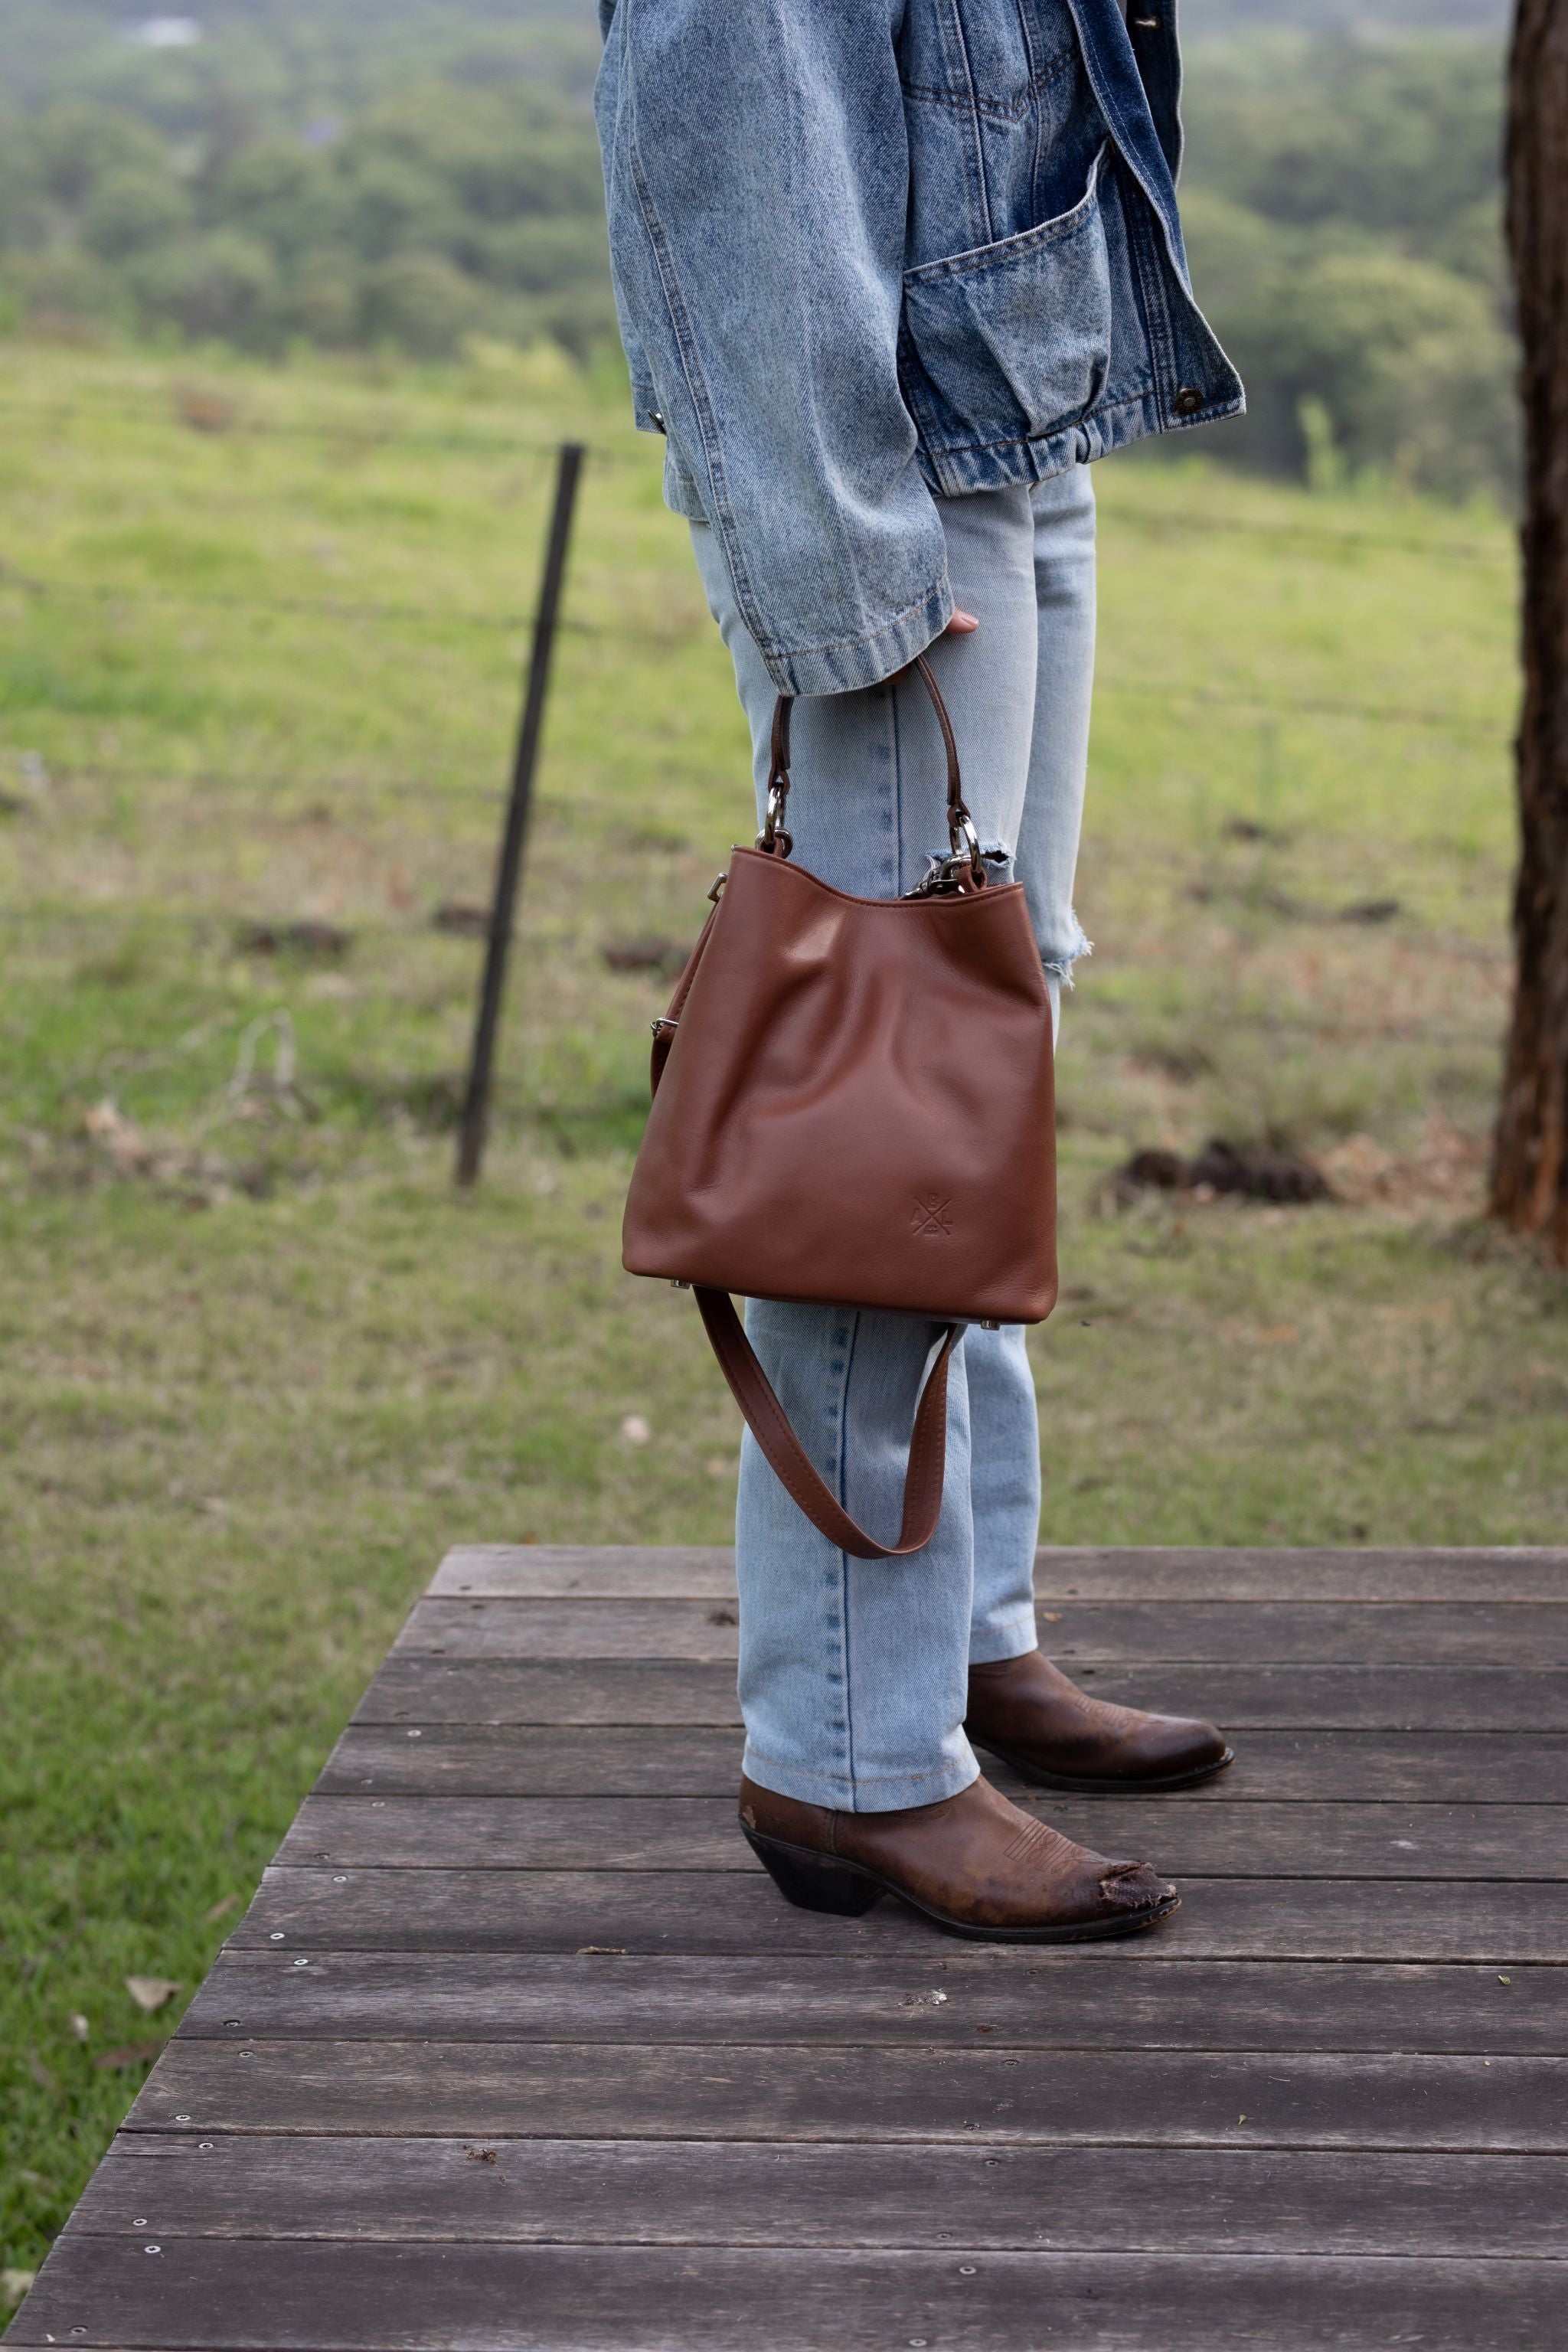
{"points": [[973, 1863], [1025, 1711]]}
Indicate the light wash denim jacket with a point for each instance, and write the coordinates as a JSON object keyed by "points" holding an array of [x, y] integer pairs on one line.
{"points": [[867, 253]]}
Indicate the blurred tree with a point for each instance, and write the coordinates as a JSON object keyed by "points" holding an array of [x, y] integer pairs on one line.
{"points": [[132, 205], [280, 191], [423, 301], [1530, 1164], [324, 301], [222, 285]]}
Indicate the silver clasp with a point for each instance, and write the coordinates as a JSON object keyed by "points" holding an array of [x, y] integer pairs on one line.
{"points": [[772, 836]]}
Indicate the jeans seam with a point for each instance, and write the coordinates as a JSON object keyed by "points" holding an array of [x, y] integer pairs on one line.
{"points": [[898, 747], [841, 1437]]}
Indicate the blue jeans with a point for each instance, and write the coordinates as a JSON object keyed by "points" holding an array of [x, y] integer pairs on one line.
{"points": [[853, 1673]]}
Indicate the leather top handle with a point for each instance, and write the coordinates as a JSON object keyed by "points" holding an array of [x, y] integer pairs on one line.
{"points": [[774, 837]]}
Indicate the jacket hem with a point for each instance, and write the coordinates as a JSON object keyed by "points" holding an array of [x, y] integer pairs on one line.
{"points": [[860, 662]]}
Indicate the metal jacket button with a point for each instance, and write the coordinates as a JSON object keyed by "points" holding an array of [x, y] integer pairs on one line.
{"points": [[1189, 400]]}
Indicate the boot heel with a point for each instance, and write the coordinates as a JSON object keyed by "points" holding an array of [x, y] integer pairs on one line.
{"points": [[815, 1883]]}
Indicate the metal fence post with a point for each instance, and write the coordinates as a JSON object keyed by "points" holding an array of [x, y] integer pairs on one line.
{"points": [[476, 1100]]}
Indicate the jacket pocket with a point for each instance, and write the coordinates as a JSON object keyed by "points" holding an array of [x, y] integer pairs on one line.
{"points": [[1012, 341]]}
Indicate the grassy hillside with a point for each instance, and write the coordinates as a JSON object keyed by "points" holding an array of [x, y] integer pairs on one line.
{"points": [[258, 1366]]}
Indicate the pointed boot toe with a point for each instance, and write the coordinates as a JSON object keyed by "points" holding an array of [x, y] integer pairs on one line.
{"points": [[975, 1864], [1028, 1712]]}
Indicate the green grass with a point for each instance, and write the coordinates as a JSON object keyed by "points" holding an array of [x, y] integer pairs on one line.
{"points": [[253, 1381]]}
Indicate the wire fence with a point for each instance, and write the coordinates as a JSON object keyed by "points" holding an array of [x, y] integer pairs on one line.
{"points": [[208, 414], [326, 940], [1462, 725], [215, 417]]}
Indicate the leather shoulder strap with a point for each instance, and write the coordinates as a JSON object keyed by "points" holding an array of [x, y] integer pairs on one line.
{"points": [[769, 1424], [753, 1391]]}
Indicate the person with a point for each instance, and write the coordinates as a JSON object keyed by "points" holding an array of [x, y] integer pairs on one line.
{"points": [[890, 275]]}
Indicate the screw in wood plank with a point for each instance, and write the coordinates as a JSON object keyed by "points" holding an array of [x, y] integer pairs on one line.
{"points": [[151, 2250], [340, 1881], [138, 2220], [301, 1964], [275, 1937], [182, 2119], [966, 2269]]}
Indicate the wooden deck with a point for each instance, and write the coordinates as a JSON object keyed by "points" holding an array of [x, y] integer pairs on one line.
{"points": [[518, 2048]]}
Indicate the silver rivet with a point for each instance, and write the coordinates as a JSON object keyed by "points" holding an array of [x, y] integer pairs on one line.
{"points": [[301, 1964], [204, 2143], [151, 2250], [138, 2220], [339, 1880], [275, 1937], [966, 2269], [182, 2119]]}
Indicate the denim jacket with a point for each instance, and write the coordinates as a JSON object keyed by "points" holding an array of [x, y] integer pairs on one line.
{"points": [[872, 252]]}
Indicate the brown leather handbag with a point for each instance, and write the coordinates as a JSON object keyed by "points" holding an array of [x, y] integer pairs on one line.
{"points": [[853, 1106]]}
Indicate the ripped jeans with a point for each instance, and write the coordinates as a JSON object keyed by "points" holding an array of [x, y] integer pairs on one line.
{"points": [[853, 1672]]}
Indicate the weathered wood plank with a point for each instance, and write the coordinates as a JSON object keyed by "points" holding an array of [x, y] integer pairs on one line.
{"points": [[1254, 1633], [597, 1571], [673, 1572], [606, 1760], [627, 2091], [934, 2000], [411, 1688], [737, 1911], [227, 2295], [502, 1759], [696, 2192], [1241, 1839], [1362, 1573]]}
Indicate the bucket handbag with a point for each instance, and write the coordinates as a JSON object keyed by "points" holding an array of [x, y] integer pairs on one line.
{"points": [[853, 1106]]}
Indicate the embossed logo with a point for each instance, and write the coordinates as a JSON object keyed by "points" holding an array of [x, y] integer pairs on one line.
{"points": [[933, 1213]]}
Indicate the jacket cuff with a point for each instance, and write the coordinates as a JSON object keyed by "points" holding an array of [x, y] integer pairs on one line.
{"points": [[863, 661]]}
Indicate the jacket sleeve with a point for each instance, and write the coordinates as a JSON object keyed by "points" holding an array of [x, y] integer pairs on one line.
{"points": [[766, 148]]}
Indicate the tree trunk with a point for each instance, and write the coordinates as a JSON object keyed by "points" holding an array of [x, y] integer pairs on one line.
{"points": [[1529, 1158]]}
